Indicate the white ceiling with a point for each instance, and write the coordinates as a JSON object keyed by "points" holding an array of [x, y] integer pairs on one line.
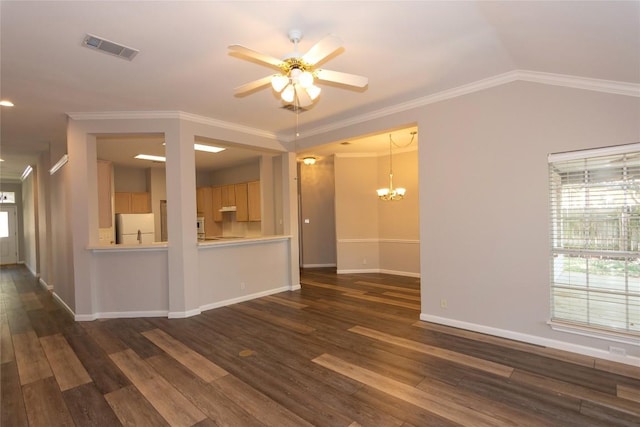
{"points": [[407, 49]]}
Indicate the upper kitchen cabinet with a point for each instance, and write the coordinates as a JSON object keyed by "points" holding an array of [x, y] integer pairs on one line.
{"points": [[228, 195], [127, 202], [248, 201], [253, 200]]}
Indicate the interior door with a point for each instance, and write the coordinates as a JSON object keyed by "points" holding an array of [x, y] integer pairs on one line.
{"points": [[8, 235]]}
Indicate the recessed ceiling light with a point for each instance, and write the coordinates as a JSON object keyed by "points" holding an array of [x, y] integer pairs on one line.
{"points": [[6, 103], [208, 148], [1, 160], [150, 157]]}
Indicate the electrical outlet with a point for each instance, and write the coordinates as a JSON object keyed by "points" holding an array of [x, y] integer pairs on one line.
{"points": [[364, 260], [617, 350], [242, 285], [443, 303]]}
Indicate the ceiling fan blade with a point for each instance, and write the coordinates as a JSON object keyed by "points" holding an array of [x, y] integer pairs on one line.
{"points": [[250, 53], [322, 49], [251, 86], [342, 78]]}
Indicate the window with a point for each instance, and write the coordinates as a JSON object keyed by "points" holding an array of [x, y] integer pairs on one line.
{"points": [[595, 238], [7, 197]]}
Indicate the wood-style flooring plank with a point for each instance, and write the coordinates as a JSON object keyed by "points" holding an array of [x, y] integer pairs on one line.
{"points": [[275, 320], [66, 366], [431, 402], [337, 288], [257, 404], [19, 321], [385, 301], [133, 410], [564, 356], [577, 391], [30, 301], [195, 362], [629, 393], [402, 296], [618, 368], [103, 372], [283, 301], [452, 356], [389, 287], [32, 362], [12, 410], [168, 401], [88, 407], [212, 402], [105, 339], [6, 344], [44, 404]]}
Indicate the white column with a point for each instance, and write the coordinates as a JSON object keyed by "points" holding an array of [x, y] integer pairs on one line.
{"points": [[290, 214], [181, 217]]}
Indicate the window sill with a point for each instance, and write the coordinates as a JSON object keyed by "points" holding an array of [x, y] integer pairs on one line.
{"points": [[594, 333]]}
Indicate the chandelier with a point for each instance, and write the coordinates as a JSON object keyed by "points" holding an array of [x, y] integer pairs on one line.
{"points": [[295, 82], [390, 193]]}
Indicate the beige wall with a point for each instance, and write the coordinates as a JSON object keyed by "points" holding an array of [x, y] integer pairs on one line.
{"points": [[484, 210], [317, 196], [375, 235]]}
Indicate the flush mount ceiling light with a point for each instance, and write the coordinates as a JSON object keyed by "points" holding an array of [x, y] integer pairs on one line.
{"points": [[296, 81], [309, 160], [390, 193], [208, 148], [26, 173], [6, 103], [150, 157]]}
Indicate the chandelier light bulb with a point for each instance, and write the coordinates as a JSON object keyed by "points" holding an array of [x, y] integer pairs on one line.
{"points": [[288, 93], [279, 81]]}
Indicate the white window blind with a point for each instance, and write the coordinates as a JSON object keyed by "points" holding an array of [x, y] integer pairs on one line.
{"points": [[595, 238]]}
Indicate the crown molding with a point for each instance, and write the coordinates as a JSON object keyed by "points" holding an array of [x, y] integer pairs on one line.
{"points": [[598, 85], [178, 115], [564, 80]]}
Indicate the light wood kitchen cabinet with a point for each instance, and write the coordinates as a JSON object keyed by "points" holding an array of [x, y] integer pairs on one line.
{"points": [[248, 201], [206, 210], [253, 201], [228, 195], [126, 202], [105, 216], [216, 196], [242, 204]]}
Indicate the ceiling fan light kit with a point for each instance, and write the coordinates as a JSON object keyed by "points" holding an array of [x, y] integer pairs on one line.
{"points": [[296, 82]]}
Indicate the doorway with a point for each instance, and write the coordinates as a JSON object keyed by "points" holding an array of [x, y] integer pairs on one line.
{"points": [[8, 235]]}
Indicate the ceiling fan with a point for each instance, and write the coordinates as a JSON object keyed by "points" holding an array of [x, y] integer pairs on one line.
{"points": [[298, 73]]}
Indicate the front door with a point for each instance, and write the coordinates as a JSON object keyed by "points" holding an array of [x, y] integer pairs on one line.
{"points": [[8, 235]]}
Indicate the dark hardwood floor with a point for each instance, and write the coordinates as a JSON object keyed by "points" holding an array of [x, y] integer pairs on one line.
{"points": [[345, 350]]}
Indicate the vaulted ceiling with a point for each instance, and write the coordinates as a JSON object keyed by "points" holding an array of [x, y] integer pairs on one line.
{"points": [[408, 50]]}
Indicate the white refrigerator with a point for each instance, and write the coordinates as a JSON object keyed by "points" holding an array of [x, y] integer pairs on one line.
{"points": [[134, 228]]}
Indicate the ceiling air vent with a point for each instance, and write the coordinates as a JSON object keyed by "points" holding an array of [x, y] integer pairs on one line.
{"points": [[106, 46]]}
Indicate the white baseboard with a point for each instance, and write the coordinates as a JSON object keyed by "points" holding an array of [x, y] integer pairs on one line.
{"points": [[318, 265], [245, 298], [532, 339], [44, 285], [295, 287], [63, 304], [183, 314]]}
